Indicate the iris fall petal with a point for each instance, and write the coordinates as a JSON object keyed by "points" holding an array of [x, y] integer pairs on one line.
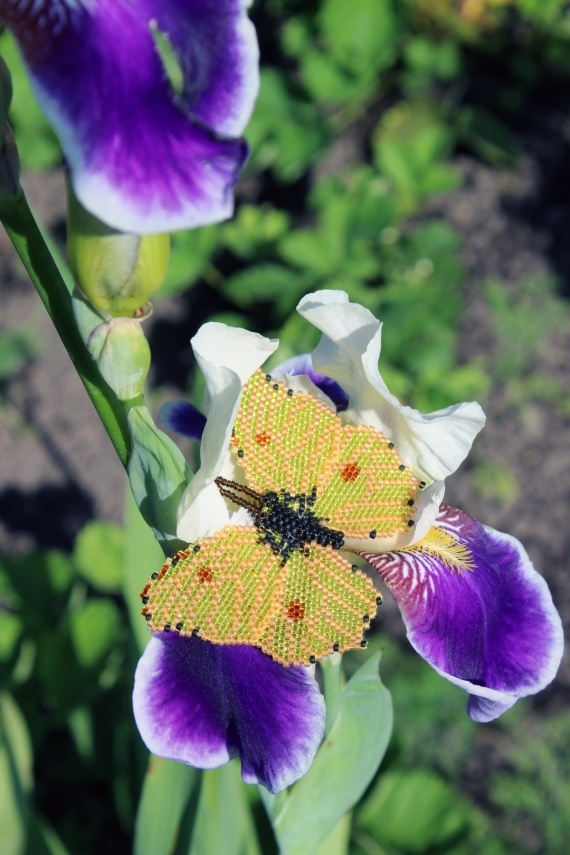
{"points": [[143, 158], [477, 611], [203, 704]]}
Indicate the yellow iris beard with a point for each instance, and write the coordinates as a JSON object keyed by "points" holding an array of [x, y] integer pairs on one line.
{"points": [[455, 555]]}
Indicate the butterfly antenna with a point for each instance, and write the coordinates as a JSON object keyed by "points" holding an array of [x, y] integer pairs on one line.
{"points": [[237, 494]]}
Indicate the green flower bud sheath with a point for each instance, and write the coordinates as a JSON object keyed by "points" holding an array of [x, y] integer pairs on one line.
{"points": [[122, 354], [116, 271], [158, 475]]}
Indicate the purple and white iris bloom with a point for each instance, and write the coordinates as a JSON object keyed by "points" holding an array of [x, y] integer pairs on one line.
{"points": [[142, 158], [474, 607]]}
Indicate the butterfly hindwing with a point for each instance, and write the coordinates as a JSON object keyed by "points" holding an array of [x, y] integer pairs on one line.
{"points": [[326, 607], [235, 590], [284, 440], [225, 589], [369, 492]]}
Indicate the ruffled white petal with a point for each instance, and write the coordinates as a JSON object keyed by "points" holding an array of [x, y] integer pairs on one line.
{"points": [[227, 357], [432, 444]]}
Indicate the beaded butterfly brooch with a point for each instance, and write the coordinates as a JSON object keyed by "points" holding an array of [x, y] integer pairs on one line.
{"points": [[281, 584]]}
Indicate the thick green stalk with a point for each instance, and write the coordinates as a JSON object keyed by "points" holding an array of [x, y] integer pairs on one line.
{"points": [[331, 670], [30, 245]]}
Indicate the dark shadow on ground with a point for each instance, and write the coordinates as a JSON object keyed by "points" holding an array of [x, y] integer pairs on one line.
{"points": [[51, 515]]}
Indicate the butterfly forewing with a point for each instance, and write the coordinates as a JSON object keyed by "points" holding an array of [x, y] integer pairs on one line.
{"points": [[326, 607], [369, 490], [227, 590], [285, 441]]}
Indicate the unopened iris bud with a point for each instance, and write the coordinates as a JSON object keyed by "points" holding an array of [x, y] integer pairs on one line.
{"points": [[116, 271], [122, 354]]}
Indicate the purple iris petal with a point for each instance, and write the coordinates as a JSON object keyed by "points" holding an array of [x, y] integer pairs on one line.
{"points": [[183, 418], [142, 158], [203, 704], [492, 629], [304, 365]]}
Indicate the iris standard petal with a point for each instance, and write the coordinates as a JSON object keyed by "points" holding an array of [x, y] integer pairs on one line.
{"points": [[227, 357], [432, 444], [477, 611], [203, 704], [184, 418], [143, 158]]}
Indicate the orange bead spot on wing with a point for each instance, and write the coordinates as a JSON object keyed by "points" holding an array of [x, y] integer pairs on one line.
{"points": [[296, 610], [350, 472], [262, 439], [204, 575]]}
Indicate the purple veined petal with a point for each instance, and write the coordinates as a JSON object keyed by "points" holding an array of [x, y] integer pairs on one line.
{"points": [[202, 704], [304, 365], [491, 627], [141, 158], [184, 418]]}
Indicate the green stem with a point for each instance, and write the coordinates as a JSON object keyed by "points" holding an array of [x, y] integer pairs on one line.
{"points": [[331, 669], [30, 245]]}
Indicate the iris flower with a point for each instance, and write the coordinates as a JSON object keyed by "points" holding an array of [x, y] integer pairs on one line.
{"points": [[474, 607], [143, 156]]}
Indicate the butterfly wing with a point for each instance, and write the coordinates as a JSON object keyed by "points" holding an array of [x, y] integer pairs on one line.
{"points": [[284, 440], [225, 589], [235, 590], [326, 606], [369, 492]]}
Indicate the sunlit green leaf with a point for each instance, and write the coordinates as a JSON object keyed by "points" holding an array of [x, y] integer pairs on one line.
{"points": [[361, 36], [254, 229], [143, 556], [344, 765], [10, 631], [15, 776], [166, 790], [38, 147], [414, 811], [99, 555], [223, 821], [260, 283], [94, 630], [191, 253]]}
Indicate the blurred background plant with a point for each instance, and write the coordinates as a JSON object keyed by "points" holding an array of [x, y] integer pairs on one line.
{"points": [[364, 115]]}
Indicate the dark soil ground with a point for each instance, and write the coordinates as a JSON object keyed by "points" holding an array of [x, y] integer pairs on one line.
{"points": [[58, 469]]}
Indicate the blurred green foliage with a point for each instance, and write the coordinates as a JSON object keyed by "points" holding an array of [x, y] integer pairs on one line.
{"points": [[361, 109]]}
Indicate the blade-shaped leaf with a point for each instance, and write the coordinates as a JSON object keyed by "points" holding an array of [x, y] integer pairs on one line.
{"points": [[15, 777], [343, 767], [167, 788], [224, 823], [143, 556]]}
